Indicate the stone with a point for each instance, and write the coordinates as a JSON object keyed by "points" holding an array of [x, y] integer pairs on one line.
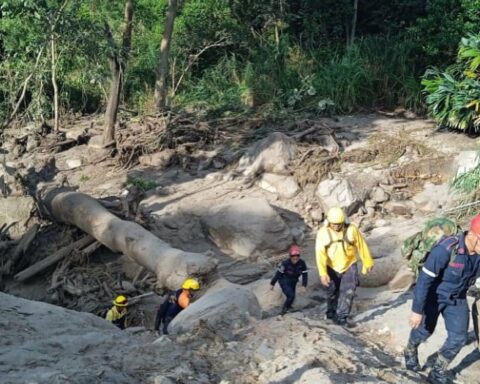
{"points": [[317, 214], [433, 198], [403, 208], [223, 306], [73, 163], [247, 228], [403, 280], [159, 159], [16, 209], [163, 380], [272, 154], [32, 143], [378, 195], [285, 186], [263, 353], [466, 161], [337, 192]]}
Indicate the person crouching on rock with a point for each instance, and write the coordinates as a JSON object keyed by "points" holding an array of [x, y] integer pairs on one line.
{"points": [[175, 302], [287, 275], [118, 313]]}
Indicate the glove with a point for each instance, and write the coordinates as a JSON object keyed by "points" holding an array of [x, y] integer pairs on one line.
{"points": [[366, 270]]}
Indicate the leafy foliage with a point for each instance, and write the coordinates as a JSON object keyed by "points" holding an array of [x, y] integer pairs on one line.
{"points": [[453, 96]]}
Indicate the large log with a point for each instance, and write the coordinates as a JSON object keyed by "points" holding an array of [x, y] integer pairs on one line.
{"points": [[170, 265]]}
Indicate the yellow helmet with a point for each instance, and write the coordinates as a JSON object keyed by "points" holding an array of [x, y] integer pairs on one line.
{"points": [[336, 215], [120, 301], [192, 284]]}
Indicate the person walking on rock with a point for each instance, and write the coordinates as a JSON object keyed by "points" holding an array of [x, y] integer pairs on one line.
{"points": [[450, 268], [118, 313], [175, 302], [336, 248], [287, 275]]}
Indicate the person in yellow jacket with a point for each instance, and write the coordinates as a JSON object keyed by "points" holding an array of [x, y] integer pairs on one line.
{"points": [[118, 313], [336, 248]]}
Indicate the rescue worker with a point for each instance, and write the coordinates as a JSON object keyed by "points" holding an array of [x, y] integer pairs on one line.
{"points": [[450, 268], [175, 302], [118, 313], [336, 248], [287, 275]]}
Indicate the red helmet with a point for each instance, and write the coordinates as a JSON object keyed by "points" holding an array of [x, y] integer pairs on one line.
{"points": [[475, 225], [294, 250]]}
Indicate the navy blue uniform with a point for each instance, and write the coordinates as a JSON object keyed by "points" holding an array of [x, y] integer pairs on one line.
{"points": [[442, 288], [287, 276], [168, 310]]}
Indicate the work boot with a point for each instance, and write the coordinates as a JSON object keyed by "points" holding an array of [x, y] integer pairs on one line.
{"points": [[439, 373], [284, 311], [411, 358]]}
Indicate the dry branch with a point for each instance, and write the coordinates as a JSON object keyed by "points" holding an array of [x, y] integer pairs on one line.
{"points": [[55, 258]]}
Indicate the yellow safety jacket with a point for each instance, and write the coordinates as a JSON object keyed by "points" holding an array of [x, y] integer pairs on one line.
{"points": [[338, 250], [117, 318]]}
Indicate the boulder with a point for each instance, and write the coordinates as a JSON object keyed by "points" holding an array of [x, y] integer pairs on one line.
{"points": [[247, 227], [73, 163], [284, 186], [224, 306], [433, 198], [400, 208], [466, 161], [16, 209], [160, 159], [403, 280], [272, 154], [378, 195], [337, 192]]}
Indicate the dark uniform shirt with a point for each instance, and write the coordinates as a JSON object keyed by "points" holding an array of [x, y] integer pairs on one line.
{"points": [[447, 273], [290, 271]]}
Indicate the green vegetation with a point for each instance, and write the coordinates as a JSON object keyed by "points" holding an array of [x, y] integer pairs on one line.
{"points": [[84, 178], [143, 184], [239, 56], [467, 189]]}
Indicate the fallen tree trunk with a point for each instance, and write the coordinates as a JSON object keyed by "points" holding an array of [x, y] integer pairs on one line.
{"points": [[170, 265]]}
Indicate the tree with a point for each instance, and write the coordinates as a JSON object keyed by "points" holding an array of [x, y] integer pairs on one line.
{"points": [[118, 62], [161, 84]]}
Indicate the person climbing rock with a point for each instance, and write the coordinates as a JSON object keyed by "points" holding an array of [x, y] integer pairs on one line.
{"points": [[450, 268], [118, 313], [287, 275], [175, 302], [336, 248]]}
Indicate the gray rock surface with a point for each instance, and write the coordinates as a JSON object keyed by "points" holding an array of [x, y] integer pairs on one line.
{"points": [[247, 227], [284, 186], [337, 192]]}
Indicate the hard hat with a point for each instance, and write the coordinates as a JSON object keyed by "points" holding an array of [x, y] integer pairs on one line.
{"points": [[475, 225], [336, 215], [192, 284], [294, 250], [120, 301]]}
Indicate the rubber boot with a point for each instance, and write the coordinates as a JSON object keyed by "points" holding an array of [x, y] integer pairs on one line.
{"points": [[411, 358], [439, 373]]}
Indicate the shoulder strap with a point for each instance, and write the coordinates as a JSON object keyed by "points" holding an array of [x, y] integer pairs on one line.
{"points": [[344, 239]]}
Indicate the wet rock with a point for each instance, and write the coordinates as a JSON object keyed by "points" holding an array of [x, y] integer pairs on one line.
{"points": [[247, 227], [337, 192], [272, 154], [285, 186]]}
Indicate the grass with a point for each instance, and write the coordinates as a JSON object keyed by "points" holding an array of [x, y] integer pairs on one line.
{"points": [[143, 184]]}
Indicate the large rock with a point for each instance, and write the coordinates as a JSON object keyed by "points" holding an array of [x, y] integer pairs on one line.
{"points": [[284, 186], [224, 306], [247, 227], [272, 154], [337, 192], [433, 198], [16, 209], [466, 161]]}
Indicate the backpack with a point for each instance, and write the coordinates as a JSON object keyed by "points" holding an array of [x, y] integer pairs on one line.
{"points": [[344, 240], [417, 247]]}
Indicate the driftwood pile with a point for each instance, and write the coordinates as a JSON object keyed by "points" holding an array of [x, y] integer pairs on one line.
{"points": [[154, 134]]}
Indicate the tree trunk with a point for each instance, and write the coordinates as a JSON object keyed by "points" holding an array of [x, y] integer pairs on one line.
{"points": [[161, 85], [171, 265], [53, 48], [118, 61], [354, 21]]}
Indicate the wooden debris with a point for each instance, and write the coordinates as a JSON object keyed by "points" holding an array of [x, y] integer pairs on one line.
{"points": [[55, 258], [21, 248]]}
